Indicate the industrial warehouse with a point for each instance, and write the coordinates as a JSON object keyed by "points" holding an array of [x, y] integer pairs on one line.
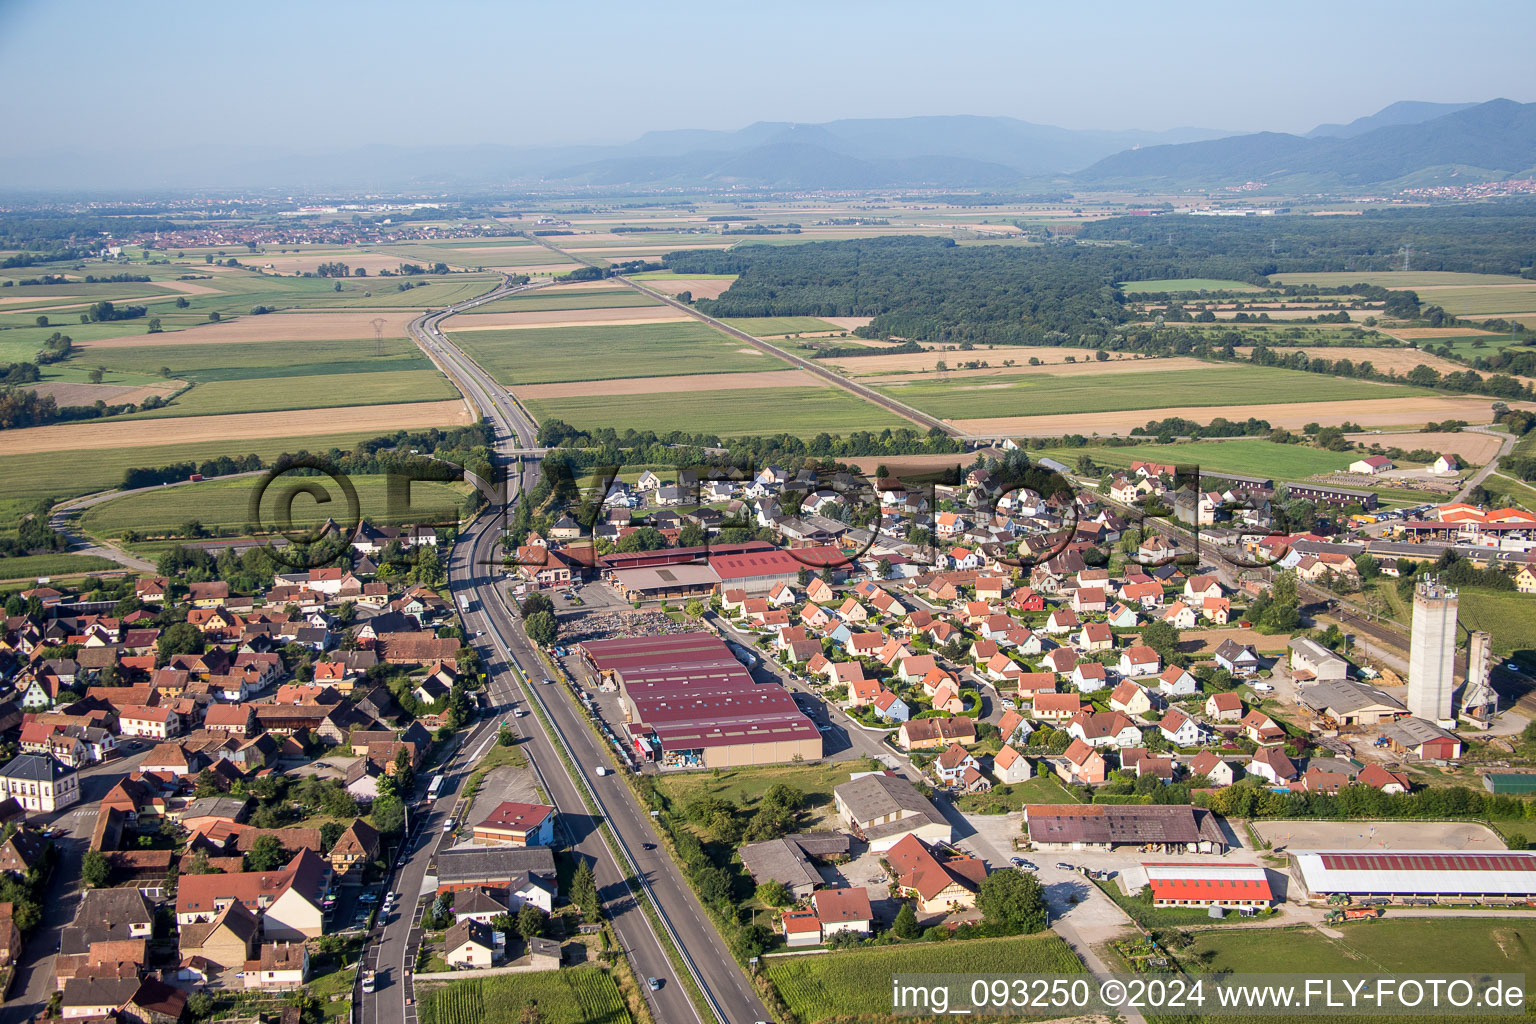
{"points": [[1437, 875], [688, 703]]}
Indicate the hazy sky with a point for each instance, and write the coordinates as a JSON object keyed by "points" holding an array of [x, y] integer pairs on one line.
{"points": [[333, 74]]}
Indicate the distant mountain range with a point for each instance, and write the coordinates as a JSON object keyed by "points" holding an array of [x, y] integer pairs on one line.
{"points": [[1406, 144]]}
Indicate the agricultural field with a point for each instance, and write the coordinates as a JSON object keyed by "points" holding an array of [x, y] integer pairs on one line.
{"points": [[767, 326], [1455, 945], [1213, 387], [1470, 295], [258, 359], [1509, 616], [579, 995], [855, 985], [801, 411], [551, 354], [30, 567], [1188, 284], [318, 391], [224, 505], [69, 473], [1245, 456], [1412, 279], [550, 299]]}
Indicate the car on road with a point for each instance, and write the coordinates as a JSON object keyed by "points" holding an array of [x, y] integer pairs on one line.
{"points": [[1062, 865], [823, 728], [654, 983], [368, 982], [1262, 687], [647, 846]]}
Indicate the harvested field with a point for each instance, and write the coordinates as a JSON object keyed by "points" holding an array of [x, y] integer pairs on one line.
{"points": [[1416, 333], [699, 289], [1393, 360], [802, 411], [66, 393], [551, 355], [651, 385], [1470, 446], [927, 361], [190, 288], [311, 326], [1415, 279], [1205, 641], [1055, 370], [309, 262], [22, 300], [1380, 412], [566, 318], [849, 323], [235, 427]]}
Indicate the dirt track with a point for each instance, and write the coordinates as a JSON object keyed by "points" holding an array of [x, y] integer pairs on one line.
{"points": [[657, 385], [272, 327], [234, 427], [1381, 412]]}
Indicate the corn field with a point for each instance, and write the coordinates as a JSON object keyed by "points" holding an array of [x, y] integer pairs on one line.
{"points": [[581, 995]]}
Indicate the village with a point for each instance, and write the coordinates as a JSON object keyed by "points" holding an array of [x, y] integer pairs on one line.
{"points": [[984, 680]]}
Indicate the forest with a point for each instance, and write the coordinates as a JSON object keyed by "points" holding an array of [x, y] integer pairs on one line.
{"points": [[1479, 238]]}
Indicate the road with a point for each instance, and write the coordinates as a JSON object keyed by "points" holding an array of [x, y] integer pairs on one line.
{"points": [[33, 986], [474, 569], [1507, 445]]}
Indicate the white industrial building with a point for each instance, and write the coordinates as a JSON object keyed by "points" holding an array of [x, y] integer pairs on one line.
{"points": [[1442, 875]]}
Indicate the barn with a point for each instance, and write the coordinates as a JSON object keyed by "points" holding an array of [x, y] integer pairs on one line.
{"points": [[1446, 876]]}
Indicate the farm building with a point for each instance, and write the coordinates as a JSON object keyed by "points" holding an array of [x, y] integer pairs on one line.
{"points": [[1348, 703], [788, 859], [1516, 783], [1244, 886], [757, 572], [1169, 828], [1429, 874], [882, 809], [689, 703], [1325, 494]]}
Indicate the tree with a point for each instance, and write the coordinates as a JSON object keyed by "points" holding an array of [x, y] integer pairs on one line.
{"points": [[95, 869], [584, 891], [178, 638], [694, 609], [775, 893], [505, 737], [330, 833], [530, 921], [803, 577], [542, 628], [266, 854], [536, 603], [197, 864], [646, 538], [1012, 902], [388, 815], [42, 321], [905, 925]]}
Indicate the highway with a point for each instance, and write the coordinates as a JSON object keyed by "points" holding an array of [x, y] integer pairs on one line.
{"points": [[496, 630]]}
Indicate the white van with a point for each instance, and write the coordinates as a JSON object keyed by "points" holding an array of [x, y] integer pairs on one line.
{"points": [[601, 770]]}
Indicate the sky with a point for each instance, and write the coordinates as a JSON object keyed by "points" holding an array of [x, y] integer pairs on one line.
{"points": [[312, 77]]}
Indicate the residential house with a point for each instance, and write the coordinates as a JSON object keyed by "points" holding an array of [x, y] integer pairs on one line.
{"points": [[1175, 681], [469, 944], [39, 784], [939, 881], [1011, 766], [1131, 698], [1211, 765], [1104, 729], [1139, 660], [1180, 729], [1238, 659], [1224, 707], [280, 967], [934, 733], [1262, 729], [1081, 765], [1271, 764]]}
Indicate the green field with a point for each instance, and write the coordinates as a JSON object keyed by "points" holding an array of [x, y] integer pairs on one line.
{"points": [[744, 786], [1450, 944], [65, 474], [594, 298], [318, 391], [855, 985], [550, 354], [1042, 789], [1187, 284], [225, 505], [764, 326], [579, 995], [1510, 617], [802, 411], [1040, 394], [248, 360], [1245, 456], [30, 567], [1511, 492]]}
